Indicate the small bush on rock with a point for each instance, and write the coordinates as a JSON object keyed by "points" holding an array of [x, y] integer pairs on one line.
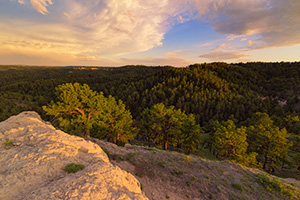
{"points": [[72, 168], [9, 142]]}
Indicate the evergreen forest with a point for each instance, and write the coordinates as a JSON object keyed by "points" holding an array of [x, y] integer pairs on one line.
{"points": [[244, 112]]}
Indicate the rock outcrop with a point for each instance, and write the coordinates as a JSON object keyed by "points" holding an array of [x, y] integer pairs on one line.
{"points": [[32, 167]]}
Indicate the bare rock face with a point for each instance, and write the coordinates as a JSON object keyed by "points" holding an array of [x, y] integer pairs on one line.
{"points": [[32, 167]]}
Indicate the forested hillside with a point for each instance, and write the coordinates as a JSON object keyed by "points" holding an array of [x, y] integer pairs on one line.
{"points": [[222, 98]]}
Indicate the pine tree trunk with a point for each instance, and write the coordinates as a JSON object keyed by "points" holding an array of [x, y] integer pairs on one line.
{"points": [[265, 162], [149, 142], [87, 133], [165, 145]]}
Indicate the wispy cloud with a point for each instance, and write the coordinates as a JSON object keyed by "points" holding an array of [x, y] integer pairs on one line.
{"points": [[21, 2], [219, 47], [152, 61], [39, 5], [224, 55]]}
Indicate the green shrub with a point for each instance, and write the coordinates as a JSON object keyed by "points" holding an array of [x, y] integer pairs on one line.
{"points": [[72, 168], [275, 185], [9, 142], [193, 178], [121, 143], [162, 163], [132, 155], [237, 186], [106, 151]]}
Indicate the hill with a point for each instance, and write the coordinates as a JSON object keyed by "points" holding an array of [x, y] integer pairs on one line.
{"points": [[33, 168], [172, 175], [215, 93]]}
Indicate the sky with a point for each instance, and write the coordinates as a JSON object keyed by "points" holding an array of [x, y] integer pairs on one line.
{"points": [[152, 32]]}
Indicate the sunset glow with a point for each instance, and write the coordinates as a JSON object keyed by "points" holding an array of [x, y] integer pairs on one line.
{"points": [[157, 32]]}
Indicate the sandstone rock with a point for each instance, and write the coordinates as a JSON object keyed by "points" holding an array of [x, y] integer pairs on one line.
{"points": [[33, 166]]}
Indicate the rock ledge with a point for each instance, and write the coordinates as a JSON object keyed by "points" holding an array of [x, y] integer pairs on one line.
{"points": [[32, 168]]}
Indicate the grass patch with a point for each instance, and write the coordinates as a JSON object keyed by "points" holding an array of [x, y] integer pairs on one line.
{"points": [[132, 155], [237, 186], [72, 168], [188, 183], [9, 142], [118, 157], [106, 151], [141, 187], [162, 163], [178, 173], [187, 159], [193, 178], [275, 185], [152, 149], [140, 174]]}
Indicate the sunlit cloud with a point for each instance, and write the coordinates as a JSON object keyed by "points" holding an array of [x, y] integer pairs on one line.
{"points": [[224, 55], [153, 61], [219, 47], [93, 30], [204, 45], [41, 5], [180, 19], [21, 2], [276, 22], [233, 37]]}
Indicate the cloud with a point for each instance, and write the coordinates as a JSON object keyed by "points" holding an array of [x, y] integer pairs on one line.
{"points": [[224, 55], [219, 47], [103, 27], [180, 19], [40, 5], [171, 60], [174, 54], [21, 2], [204, 44], [114, 27], [275, 22], [233, 37]]}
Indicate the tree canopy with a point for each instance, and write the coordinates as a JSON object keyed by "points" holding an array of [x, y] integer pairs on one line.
{"points": [[270, 142], [168, 125], [229, 141], [80, 109]]}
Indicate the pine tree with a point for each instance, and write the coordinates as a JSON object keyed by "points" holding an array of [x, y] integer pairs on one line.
{"points": [[190, 133], [270, 142], [80, 109], [230, 142], [77, 109]]}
